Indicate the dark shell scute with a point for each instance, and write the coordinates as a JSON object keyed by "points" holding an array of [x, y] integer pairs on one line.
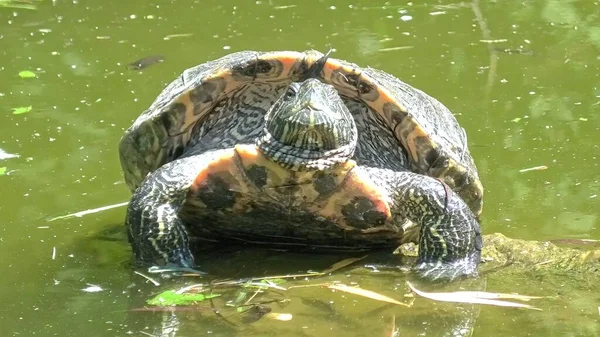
{"points": [[169, 119], [361, 213], [258, 175], [205, 93], [324, 183], [215, 193], [432, 156], [395, 114], [252, 69]]}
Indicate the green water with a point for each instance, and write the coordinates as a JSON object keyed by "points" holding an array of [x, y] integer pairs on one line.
{"points": [[539, 106]]}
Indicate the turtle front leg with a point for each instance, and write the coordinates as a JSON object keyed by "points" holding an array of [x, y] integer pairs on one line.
{"points": [[450, 239], [156, 233]]}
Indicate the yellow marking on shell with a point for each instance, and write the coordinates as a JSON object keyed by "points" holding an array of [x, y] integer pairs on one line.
{"points": [[189, 118], [408, 132]]}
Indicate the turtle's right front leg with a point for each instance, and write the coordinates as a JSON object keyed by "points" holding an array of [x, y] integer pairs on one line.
{"points": [[156, 232]]}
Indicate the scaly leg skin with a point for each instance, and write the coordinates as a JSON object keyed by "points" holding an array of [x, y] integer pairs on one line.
{"points": [[450, 240], [156, 233]]}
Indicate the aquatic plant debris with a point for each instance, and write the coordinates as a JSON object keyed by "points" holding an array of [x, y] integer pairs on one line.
{"points": [[6, 155], [153, 281], [493, 41], [285, 7], [395, 48], [27, 74], [3, 171], [145, 62], [535, 168], [392, 331], [21, 110], [92, 288], [477, 297], [342, 264], [172, 36], [172, 297], [279, 316], [366, 293], [17, 4], [88, 211]]}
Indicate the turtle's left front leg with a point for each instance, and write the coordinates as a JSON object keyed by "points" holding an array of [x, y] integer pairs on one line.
{"points": [[450, 239], [156, 232]]}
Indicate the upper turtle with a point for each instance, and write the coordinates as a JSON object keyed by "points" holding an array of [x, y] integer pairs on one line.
{"points": [[300, 150], [435, 143]]}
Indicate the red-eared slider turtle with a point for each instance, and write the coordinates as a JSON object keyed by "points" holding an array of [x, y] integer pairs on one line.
{"points": [[300, 150]]}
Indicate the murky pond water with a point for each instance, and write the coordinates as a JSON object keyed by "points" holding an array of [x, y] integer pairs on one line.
{"points": [[523, 79]]}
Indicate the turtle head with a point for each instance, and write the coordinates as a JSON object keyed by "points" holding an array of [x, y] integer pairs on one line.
{"points": [[309, 127]]}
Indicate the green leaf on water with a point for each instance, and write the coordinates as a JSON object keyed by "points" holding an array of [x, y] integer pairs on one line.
{"points": [[3, 171], [171, 297], [21, 110], [27, 74]]}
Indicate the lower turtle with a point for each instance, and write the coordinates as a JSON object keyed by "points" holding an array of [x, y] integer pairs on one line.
{"points": [[300, 150]]}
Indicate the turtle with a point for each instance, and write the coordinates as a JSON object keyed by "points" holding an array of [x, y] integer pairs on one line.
{"points": [[300, 150]]}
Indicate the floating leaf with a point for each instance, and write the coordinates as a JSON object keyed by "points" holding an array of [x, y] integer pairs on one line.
{"points": [[342, 264], [21, 110], [27, 74], [392, 330], [279, 316], [365, 293], [6, 155], [3, 171], [171, 297], [476, 297]]}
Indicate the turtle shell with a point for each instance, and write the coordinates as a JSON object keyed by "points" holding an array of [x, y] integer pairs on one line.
{"points": [[429, 133]]}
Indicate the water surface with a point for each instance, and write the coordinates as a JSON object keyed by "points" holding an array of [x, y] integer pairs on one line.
{"points": [[521, 77]]}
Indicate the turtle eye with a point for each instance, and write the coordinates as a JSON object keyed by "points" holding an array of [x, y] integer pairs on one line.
{"points": [[290, 93]]}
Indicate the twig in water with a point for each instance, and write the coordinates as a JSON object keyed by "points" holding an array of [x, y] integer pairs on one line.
{"points": [[537, 168], [147, 278], [88, 211]]}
